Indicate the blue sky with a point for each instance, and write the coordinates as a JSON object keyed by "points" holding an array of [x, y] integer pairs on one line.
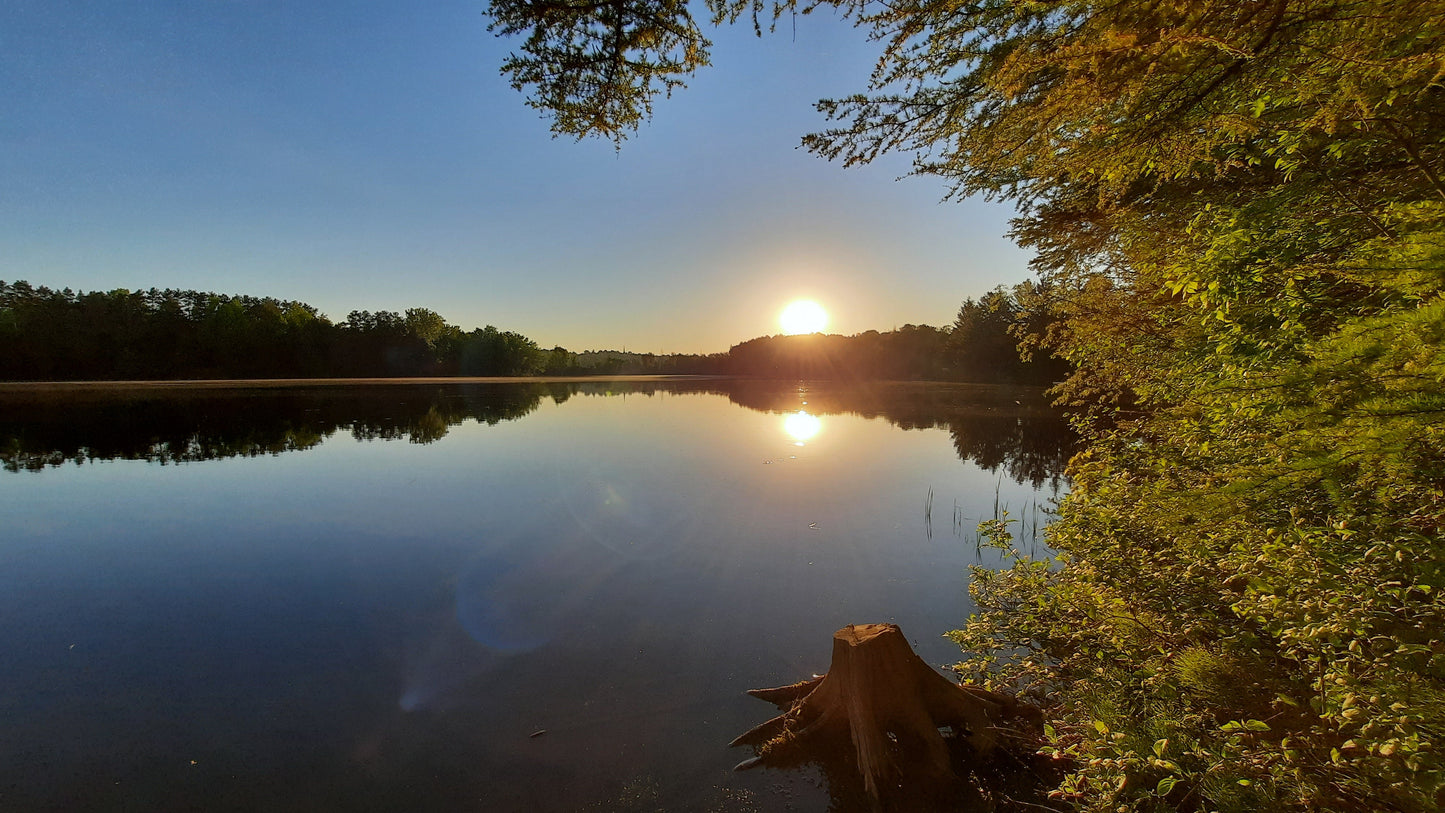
{"points": [[367, 155]]}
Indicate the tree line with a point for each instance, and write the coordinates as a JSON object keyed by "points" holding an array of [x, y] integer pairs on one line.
{"points": [[168, 334], [1238, 218], [981, 346]]}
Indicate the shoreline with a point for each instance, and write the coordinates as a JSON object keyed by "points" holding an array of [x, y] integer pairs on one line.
{"points": [[287, 383]]}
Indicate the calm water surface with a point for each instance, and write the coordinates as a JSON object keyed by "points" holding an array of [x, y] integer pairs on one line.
{"points": [[372, 599]]}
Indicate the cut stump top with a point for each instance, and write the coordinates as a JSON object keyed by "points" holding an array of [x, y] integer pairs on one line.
{"points": [[858, 634]]}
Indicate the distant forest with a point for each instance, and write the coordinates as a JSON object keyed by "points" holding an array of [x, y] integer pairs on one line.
{"points": [[50, 335]]}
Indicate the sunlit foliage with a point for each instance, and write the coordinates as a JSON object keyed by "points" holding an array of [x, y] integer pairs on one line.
{"points": [[1239, 220]]}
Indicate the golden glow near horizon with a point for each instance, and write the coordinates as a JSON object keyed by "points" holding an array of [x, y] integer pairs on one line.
{"points": [[801, 427], [803, 316]]}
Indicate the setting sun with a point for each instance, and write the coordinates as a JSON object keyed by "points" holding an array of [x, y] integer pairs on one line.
{"points": [[803, 316]]}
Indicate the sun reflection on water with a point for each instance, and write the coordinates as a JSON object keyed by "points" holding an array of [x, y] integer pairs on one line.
{"points": [[802, 427]]}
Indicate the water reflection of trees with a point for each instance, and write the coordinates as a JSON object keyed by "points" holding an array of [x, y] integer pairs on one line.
{"points": [[1031, 450], [1008, 429], [182, 426]]}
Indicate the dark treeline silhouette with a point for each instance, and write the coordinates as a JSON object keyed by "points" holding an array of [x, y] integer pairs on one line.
{"points": [[48, 335], [911, 352], [996, 338], [1007, 428], [983, 345], [169, 334]]}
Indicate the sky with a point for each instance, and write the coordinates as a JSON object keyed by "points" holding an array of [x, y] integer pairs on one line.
{"points": [[368, 156]]}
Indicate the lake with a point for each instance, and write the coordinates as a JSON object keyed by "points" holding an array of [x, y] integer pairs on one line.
{"points": [[375, 598]]}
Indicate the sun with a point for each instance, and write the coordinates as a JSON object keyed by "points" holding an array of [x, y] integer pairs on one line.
{"points": [[801, 427], [803, 316]]}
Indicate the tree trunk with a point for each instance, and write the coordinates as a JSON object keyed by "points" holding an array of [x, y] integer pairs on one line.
{"points": [[892, 705]]}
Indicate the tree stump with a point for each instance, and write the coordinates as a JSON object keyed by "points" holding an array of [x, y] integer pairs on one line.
{"points": [[892, 705]]}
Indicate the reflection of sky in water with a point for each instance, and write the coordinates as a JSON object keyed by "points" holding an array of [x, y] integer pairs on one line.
{"points": [[613, 505], [507, 606], [382, 625]]}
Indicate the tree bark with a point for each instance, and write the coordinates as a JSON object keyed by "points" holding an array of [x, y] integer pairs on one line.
{"points": [[893, 707]]}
